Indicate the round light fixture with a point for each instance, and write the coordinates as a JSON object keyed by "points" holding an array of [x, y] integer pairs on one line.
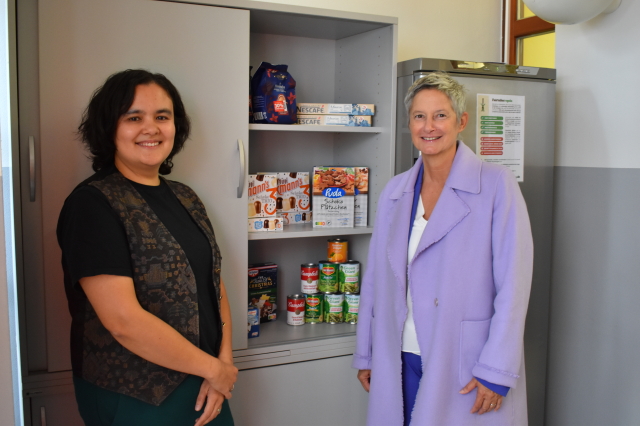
{"points": [[570, 11]]}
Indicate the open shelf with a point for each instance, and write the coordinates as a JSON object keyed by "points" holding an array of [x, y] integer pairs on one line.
{"points": [[280, 333], [310, 128], [307, 230]]}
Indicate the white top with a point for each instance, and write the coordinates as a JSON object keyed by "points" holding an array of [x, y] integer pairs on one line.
{"points": [[409, 336]]}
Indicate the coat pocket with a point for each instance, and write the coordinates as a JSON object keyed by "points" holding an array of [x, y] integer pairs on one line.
{"points": [[473, 336]]}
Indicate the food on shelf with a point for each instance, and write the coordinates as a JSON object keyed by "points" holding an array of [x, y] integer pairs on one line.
{"points": [[347, 109], [335, 120], [274, 95], [263, 289]]}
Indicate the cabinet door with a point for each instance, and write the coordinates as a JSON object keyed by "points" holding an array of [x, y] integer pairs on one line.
{"points": [[54, 406], [204, 51]]}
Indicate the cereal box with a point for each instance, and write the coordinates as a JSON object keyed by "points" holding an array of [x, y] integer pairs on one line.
{"points": [[348, 109], [362, 196], [336, 120], [270, 224], [263, 289], [293, 192], [295, 218], [263, 191], [333, 197]]}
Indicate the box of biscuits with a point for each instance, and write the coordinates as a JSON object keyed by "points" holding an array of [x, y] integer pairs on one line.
{"points": [[263, 195], [361, 200], [295, 218], [293, 192], [333, 197], [265, 224]]}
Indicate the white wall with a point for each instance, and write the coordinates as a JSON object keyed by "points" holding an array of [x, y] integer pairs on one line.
{"points": [[594, 343], [467, 30]]}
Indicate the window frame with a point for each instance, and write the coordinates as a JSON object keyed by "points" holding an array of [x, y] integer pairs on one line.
{"points": [[522, 28]]}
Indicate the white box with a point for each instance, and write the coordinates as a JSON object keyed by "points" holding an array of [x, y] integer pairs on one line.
{"points": [[293, 192], [263, 193], [265, 224], [348, 109], [361, 196], [295, 218], [335, 120]]}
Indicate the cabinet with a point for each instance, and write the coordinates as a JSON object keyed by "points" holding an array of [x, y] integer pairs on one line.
{"points": [[68, 47]]}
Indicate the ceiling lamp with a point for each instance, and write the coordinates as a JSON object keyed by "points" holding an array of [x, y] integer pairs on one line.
{"points": [[570, 11]]}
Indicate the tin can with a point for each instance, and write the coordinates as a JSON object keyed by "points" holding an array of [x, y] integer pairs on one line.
{"points": [[349, 277], [337, 250], [351, 308], [295, 309], [313, 308], [309, 277], [333, 308], [328, 276]]}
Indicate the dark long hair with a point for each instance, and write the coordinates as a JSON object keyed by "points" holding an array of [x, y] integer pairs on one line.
{"points": [[100, 120]]}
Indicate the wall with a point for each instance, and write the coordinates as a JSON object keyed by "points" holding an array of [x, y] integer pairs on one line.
{"points": [[595, 333], [452, 29]]}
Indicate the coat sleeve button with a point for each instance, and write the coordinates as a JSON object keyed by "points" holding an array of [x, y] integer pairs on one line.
{"points": [[435, 302]]}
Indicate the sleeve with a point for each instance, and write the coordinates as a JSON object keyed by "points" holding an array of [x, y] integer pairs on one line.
{"points": [[92, 237], [499, 389], [512, 247]]}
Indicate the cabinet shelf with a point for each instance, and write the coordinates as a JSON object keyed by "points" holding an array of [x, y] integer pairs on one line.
{"points": [[307, 230], [311, 128]]}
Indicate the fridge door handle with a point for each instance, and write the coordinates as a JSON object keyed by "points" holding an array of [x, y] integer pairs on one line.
{"points": [[32, 169], [241, 176]]}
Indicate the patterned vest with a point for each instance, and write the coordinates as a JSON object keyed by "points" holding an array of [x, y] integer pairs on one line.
{"points": [[164, 285]]}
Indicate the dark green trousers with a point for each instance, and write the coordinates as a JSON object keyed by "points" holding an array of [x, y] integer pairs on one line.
{"points": [[101, 407]]}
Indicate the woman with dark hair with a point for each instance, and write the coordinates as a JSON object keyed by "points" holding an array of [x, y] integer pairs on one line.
{"points": [[151, 323]]}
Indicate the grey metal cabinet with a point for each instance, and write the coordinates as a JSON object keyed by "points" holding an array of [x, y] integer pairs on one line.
{"points": [[68, 47]]}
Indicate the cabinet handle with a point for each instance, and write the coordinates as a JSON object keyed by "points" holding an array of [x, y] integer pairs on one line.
{"points": [[32, 168], [241, 177], [43, 417]]}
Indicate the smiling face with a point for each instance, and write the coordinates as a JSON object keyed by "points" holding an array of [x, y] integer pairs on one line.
{"points": [[433, 124], [145, 134]]}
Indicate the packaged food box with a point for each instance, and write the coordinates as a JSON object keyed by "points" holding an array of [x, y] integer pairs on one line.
{"points": [[335, 120], [263, 194], [361, 201], [263, 290], [253, 322], [261, 224], [349, 109], [293, 192], [333, 197], [295, 218]]}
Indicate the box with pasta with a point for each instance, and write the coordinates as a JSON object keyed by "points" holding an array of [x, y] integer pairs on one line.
{"points": [[333, 197], [361, 199], [293, 192], [263, 195], [348, 109], [335, 120]]}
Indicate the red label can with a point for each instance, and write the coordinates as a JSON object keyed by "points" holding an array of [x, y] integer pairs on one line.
{"points": [[309, 278], [295, 309]]}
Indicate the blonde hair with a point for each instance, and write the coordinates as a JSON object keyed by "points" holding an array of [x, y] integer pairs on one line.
{"points": [[443, 82]]}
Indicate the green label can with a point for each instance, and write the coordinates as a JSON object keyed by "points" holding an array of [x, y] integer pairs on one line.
{"points": [[349, 277], [328, 277], [333, 309], [351, 307], [313, 308]]}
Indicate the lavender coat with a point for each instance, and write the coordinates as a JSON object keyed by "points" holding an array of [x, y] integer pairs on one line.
{"points": [[470, 281]]}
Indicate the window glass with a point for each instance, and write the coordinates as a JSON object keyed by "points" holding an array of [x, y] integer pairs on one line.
{"points": [[538, 50]]}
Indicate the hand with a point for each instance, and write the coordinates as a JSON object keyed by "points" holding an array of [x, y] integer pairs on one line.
{"points": [[214, 400], [223, 377], [486, 399], [365, 379]]}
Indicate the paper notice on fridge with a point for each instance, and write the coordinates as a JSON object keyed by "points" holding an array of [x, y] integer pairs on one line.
{"points": [[500, 131]]}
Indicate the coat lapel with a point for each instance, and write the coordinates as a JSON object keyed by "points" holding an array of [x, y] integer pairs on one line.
{"points": [[450, 209]]}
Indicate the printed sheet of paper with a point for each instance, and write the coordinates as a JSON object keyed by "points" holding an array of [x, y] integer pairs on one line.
{"points": [[500, 131]]}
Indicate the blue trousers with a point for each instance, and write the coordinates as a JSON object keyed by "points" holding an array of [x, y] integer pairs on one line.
{"points": [[411, 375]]}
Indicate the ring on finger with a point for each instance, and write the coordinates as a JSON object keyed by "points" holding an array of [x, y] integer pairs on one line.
{"points": [[219, 409], [492, 405]]}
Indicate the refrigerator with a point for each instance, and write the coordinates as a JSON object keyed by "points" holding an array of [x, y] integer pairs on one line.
{"points": [[511, 122]]}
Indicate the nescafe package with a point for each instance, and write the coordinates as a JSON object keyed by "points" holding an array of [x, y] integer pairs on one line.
{"points": [[274, 95]]}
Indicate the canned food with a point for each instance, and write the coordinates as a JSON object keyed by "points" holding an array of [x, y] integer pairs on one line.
{"points": [[333, 308], [349, 277], [295, 309], [313, 308], [337, 250], [309, 278], [328, 277], [351, 308]]}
